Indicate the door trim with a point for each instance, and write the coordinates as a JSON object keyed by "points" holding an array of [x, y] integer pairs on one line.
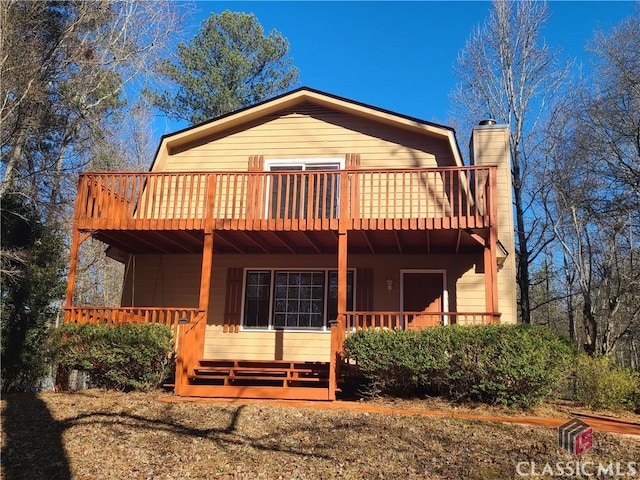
{"points": [[445, 292]]}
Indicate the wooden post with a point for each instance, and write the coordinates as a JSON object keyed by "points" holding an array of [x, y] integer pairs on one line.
{"points": [[73, 264], [342, 273], [490, 251], [181, 370], [191, 336], [338, 330], [334, 364], [205, 288], [491, 273]]}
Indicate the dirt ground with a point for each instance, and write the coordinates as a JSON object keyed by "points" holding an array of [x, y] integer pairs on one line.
{"points": [[109, 435]]}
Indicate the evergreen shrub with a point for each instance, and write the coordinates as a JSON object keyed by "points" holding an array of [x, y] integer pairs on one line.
{"points": [[122, 357], [512, 365]]}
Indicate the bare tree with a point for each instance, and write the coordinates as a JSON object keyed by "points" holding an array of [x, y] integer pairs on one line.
{"points": [[508, 73], [65, 68], [128, 146], [64, 71], [595, 190]]}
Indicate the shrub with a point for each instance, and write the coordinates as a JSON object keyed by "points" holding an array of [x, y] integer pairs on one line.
{"points": [[123, 357], [602, 384], [516, 365], [513, 365]]}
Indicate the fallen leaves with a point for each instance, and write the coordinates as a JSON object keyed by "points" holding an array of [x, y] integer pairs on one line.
{"points": [[97, 435]]}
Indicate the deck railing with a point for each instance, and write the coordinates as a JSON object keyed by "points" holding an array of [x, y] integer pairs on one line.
{"points": [[405, 320], [416, 198], [121, 315], [190, 345]]}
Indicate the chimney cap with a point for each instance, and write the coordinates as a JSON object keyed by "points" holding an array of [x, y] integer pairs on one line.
{"points": [[487, 121]]}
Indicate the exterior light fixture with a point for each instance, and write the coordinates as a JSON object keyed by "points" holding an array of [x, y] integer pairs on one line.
{"points": [[389, 285], [502, 253]]}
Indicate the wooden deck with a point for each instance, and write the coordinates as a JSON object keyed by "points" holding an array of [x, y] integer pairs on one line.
{"points": [[390, 199], [416, 210]]}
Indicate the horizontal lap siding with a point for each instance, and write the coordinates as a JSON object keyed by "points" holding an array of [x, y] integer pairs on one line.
{"points": [[162, 281], [465, 284], [312, 132], [257, 345], [491, 146], [174, 280], [471, 293]]}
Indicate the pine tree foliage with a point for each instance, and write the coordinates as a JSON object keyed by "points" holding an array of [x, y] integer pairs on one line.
{"points": [[228, 65]]}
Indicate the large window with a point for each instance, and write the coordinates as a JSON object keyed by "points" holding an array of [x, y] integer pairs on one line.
{"points": [[293, 299], [303, 189]]}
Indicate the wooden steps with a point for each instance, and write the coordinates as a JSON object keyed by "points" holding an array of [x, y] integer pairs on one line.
{"points": [[259, 379]]}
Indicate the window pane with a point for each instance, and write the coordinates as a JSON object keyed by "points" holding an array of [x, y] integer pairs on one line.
{"points": [[291, 193], [299, 299], [256, 301], [285, 192]]}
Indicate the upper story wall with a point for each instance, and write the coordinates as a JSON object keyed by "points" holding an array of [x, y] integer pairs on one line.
{"points": [[308, 131]]}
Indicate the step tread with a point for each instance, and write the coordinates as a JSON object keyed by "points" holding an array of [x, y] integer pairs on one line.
{"points": [[262, 363], [260, 378], [260, 369]]}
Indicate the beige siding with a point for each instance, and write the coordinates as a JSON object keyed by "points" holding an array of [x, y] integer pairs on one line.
{"points": [[173, 280], [490, 145], [256, 345], [311, 132], [162, 281], [471, 291]]}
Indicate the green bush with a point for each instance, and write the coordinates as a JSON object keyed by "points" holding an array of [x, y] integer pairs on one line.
{"points": [[513, 365], [123, 357], [600, 383]]}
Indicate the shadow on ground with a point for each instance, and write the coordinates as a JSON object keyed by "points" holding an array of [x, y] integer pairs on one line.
{"points": [[33, 446]]}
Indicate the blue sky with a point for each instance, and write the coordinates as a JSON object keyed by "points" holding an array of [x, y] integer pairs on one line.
{"points": [[397, 55]]}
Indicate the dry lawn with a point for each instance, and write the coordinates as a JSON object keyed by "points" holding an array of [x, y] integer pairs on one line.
{"points": [[96, 435]]}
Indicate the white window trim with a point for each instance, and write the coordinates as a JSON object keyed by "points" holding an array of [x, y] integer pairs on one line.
{"points": [[285, 162], [445, 292], [271, 328]]}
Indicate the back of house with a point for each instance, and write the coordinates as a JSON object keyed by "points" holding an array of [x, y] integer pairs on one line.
{"points": [[267, 235]]}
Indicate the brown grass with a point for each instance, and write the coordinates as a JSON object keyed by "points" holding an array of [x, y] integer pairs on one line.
{"points": [[106, 435]]}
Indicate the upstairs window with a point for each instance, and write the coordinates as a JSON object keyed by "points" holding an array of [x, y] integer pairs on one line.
{"points": [[304, 189]]}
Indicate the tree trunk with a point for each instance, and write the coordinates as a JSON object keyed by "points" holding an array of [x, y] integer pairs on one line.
{"points": [[590, 325], [523, 249]]}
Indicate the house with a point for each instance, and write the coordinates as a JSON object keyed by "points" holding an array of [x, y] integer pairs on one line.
{"points": [[268, 234]]}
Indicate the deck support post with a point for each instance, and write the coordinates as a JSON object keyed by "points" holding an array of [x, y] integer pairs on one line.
{"points": [[205, 289], [75, 246], [491, 275], [73, 265], [490, 250], [191, 336], [339, 327], [76, 241]]}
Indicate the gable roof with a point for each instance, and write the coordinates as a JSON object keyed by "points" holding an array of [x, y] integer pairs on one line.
{"points": [[296, 97]]}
